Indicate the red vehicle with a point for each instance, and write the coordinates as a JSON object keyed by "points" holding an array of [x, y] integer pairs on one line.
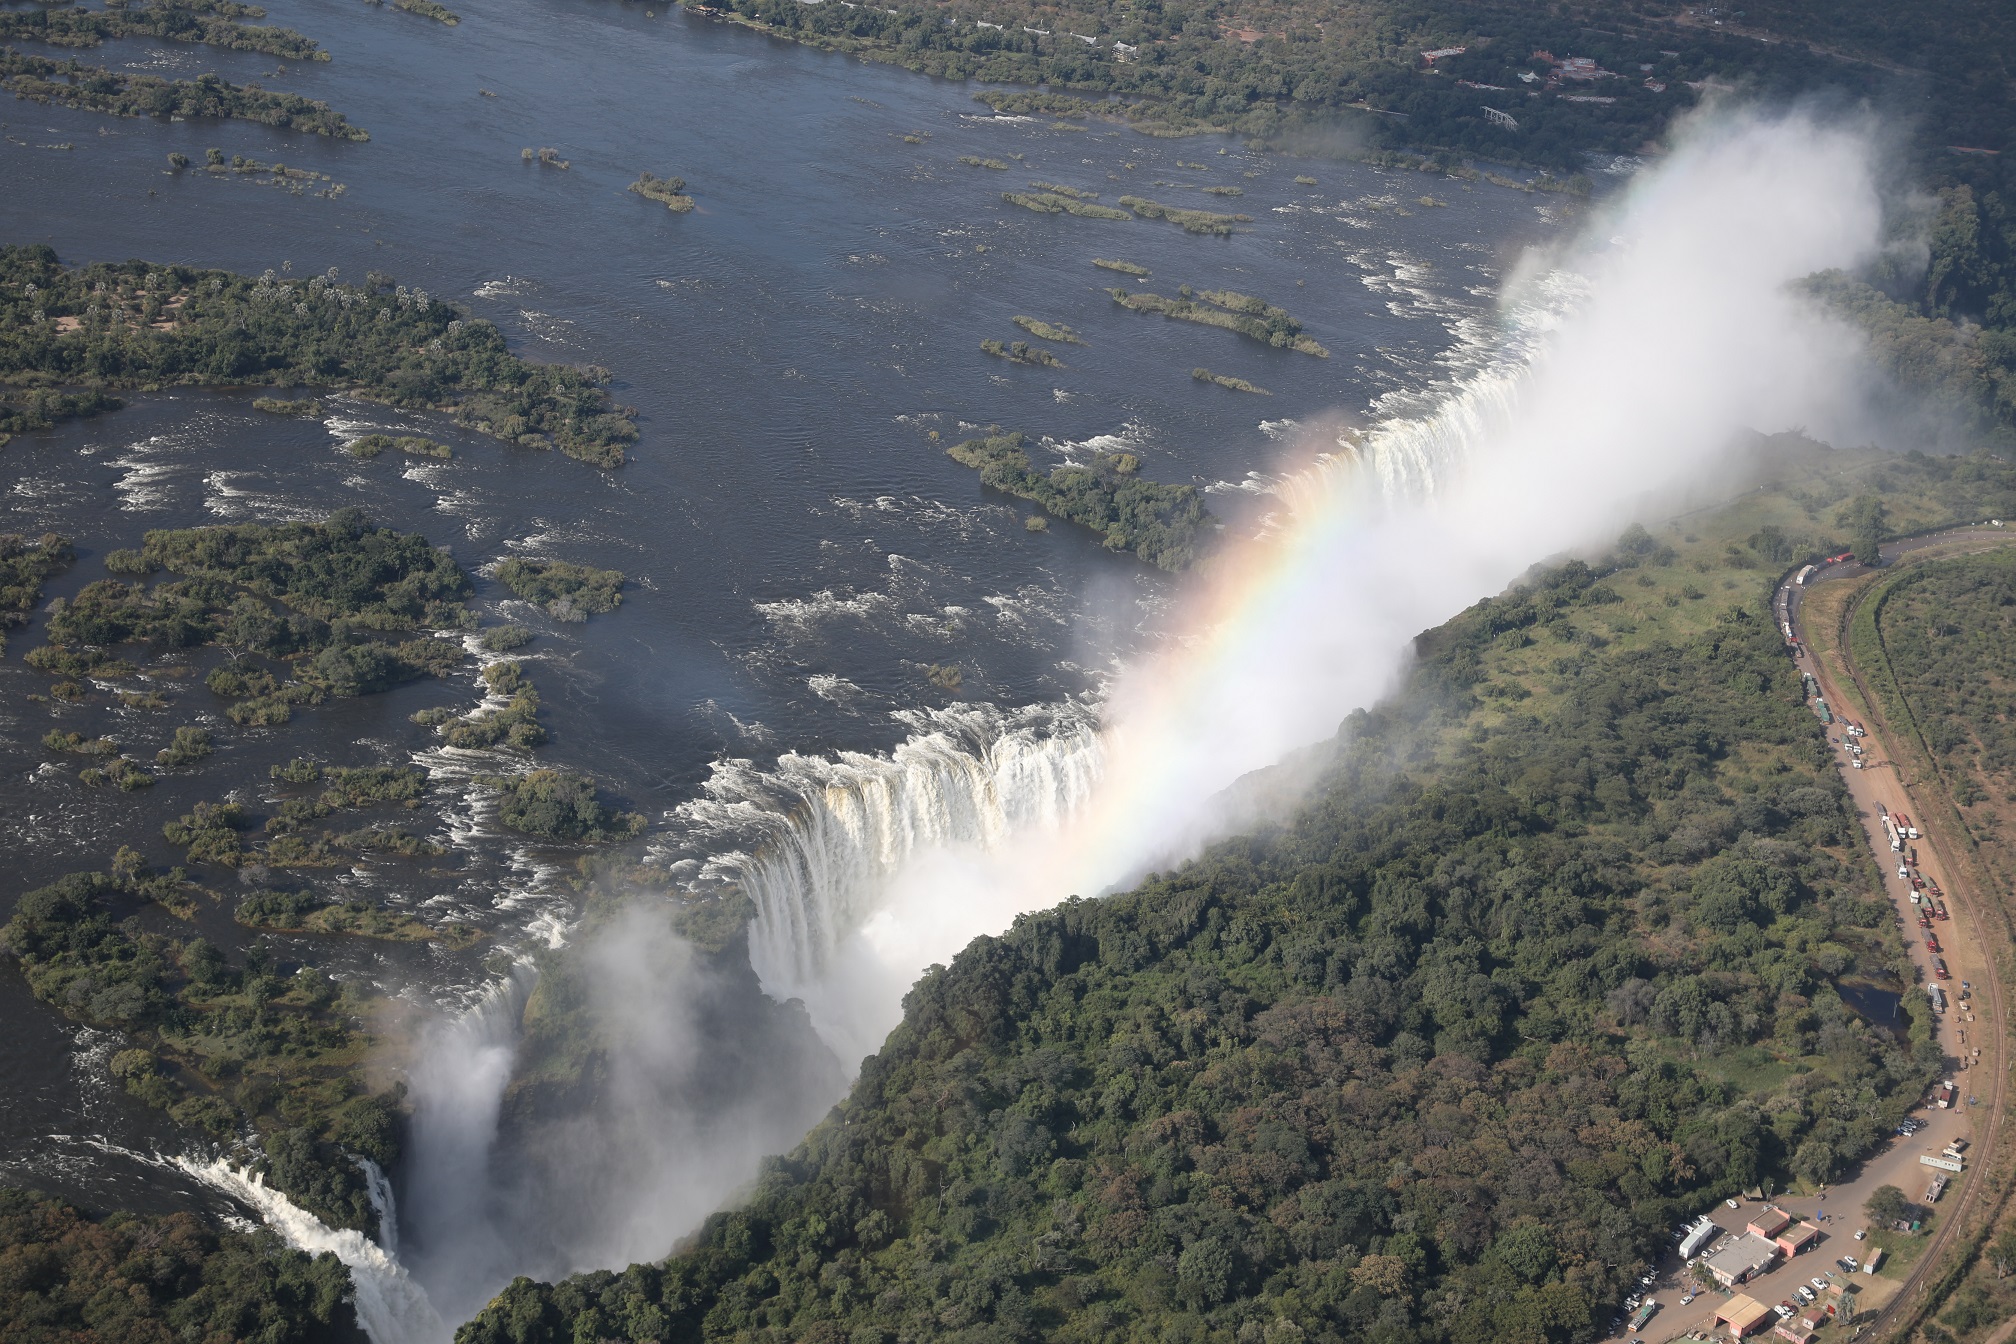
{"points": [[1932, 943], [1939, 968], [1837, 559], [1939, 909]]}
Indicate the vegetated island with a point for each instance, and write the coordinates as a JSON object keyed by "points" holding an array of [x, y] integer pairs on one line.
{"points": [[664, 190], [1050, 203], [125, 94], [1047, 331], [211, 22], [567, 591], [1226, 380], [975, 161], [1021, 352], [371, 445], [138, 325], [1124, 267], [1193, 221], [428, 9], [1559, 935], [1165, 525], [1250, 317]]}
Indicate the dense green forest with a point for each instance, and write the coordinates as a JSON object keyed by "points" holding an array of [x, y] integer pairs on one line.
{"points": [[69, 1279], [1944, 639], [1166, 525], [1546, 965], [134, 324]]}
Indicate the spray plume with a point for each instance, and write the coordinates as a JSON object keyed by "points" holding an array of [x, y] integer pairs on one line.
{"points": [[1682, 333]]}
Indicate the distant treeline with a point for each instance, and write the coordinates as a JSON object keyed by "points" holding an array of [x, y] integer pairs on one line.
{"points": [[213, 22]]}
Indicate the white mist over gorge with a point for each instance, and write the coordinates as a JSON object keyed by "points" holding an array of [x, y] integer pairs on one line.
{"points": [[1624, 371]]}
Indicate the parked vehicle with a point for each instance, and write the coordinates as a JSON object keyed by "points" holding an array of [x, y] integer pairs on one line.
{"points": [[1939, 968], [1932, 943]]}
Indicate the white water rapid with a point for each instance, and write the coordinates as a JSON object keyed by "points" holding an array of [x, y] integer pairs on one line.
{"points": [[391, 1307]]}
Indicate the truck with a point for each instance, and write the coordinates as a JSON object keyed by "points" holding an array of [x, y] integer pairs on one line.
{"points": [[1936, 1189], [1907, 828], [1875, 1259], [1946, 1094], [1643, 1317], [1804, 575], [1701, 1234], [1890, 831]]}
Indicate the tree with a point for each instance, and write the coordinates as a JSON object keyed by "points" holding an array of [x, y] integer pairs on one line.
{"points": [[1867, 520], [1886, 1205]]}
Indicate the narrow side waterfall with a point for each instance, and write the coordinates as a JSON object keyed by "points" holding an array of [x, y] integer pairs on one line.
{"points": [[391, 1307], [457, 1084]]}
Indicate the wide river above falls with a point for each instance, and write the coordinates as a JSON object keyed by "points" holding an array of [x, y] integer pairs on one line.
{"points": [[800, 549]]}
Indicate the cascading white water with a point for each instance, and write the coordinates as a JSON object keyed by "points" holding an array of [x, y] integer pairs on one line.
{"points": [[832, 832], [379, 1191], [391, 1307], [457, 1086]]}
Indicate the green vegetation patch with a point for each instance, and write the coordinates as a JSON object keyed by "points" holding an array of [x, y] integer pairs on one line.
{"points": [[428, 9], [24, 565], [1124, 267], [1048, 331], [1226, 380], [567, 591], [1250, 317], [975, 161], [1192, 221], [558, 805], [131, 1277], [126, 94], [514, 724], [308, 409], [135, 324], [664, 190], [1165, 525], [1050, 203], [1021, 352], [371, 445], [212, 22]]}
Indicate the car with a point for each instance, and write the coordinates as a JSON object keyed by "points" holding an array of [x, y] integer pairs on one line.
{"points": [[1861, 1232], [1803, 1293], [1819, 1285], [1847, 1263], [1784, 1312], [1732, 1204], [1647, 1281]]}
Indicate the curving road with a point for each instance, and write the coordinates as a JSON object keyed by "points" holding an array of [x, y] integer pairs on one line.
{"points": [[1881, 783]]}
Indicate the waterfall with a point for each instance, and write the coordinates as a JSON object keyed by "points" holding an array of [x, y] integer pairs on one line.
{"points": [[379, 1191], [456, 1083], [391, 1307], [832, 832]]}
